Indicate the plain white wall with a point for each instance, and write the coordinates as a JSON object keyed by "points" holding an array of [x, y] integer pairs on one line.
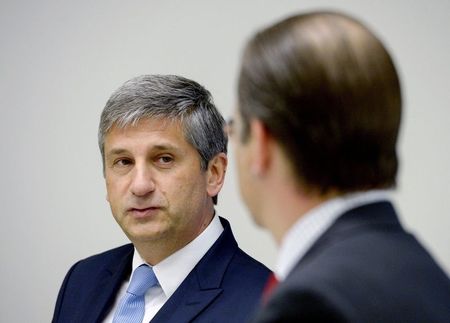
{"points": [[60, 61]]}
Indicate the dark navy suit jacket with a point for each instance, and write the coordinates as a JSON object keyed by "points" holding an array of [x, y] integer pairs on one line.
{"points": [[225, 286], [364, 268]]}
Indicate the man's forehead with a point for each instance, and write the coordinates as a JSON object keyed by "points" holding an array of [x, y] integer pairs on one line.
{"points": [[154, 123], [158, 133]]}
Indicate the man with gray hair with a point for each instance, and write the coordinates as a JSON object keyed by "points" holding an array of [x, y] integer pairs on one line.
{"points": [[164, 160]]}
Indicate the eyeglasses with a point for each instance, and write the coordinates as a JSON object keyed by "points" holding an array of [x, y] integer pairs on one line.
{"points": [[229, 127]]}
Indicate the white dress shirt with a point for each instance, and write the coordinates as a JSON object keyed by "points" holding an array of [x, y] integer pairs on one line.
{"points": [[171, 271], [305, 232]]}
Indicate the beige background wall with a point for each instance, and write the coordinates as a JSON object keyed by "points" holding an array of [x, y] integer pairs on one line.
{"points": [[60, 61]]}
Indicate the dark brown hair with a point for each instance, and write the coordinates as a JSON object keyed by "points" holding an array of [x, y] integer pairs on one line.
{"points": [[326, 88]]}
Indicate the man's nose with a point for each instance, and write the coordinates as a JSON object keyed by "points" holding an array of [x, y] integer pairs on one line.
{"points": [[142, 181]]}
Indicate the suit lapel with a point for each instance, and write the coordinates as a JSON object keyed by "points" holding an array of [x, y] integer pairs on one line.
{"points": [[103, 294], [203, 285], [187, 302]]}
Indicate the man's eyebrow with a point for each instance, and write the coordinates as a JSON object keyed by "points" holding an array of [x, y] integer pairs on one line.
{"points": [[159, 147], [116, 151], [165, 147]]}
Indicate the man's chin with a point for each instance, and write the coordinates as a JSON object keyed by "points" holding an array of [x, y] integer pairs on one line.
{"points": [[143, 234]]}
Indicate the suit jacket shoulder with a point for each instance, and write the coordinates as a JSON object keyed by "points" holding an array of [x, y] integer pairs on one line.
{"points": [[89, 287], [365, 268]]}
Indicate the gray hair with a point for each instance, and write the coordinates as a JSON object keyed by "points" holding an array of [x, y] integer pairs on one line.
{"points": [[171, 97]]}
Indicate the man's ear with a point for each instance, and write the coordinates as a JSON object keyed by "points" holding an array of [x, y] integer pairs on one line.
{"points": [[217, 168], [259, 147]]}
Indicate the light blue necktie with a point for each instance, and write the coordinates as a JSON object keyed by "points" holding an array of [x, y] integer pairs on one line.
{"points": [[132, 305]]}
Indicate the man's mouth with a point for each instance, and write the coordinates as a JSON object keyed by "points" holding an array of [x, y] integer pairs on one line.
{"points": [[141, 213]]}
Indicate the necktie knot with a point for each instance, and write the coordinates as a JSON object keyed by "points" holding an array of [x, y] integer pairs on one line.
{"points": [[143, 278]]}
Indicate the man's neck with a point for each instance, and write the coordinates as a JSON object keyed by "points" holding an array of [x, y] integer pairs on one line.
{"points": [[289, 204]]}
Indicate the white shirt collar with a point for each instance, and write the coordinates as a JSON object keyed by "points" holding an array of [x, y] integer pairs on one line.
{"points": [[305, 232], [174, 269]]}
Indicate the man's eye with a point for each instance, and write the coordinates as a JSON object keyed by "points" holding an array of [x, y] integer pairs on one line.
{"points": [[165, 159], [122, 162]]}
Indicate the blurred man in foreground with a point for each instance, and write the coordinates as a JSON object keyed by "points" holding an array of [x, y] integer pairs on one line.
{"points": [[315, 135]]}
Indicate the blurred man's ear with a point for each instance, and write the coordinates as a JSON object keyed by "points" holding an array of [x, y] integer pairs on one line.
{"points": [[259, 142]]}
